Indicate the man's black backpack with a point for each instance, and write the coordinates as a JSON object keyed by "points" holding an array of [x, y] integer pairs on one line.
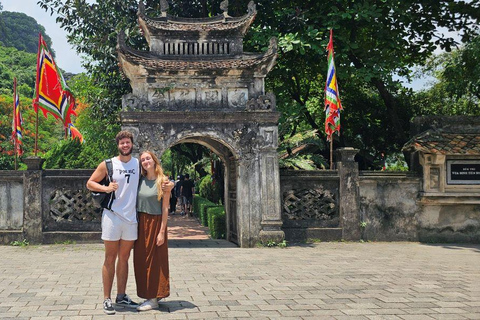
{"points": [[104, 199]]}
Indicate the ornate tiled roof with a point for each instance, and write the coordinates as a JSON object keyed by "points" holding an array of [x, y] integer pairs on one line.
{"points": [[150, 60], [445, 142], [216, 23]]}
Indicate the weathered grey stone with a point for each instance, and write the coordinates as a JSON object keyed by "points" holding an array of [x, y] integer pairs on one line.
{"points": [[349, 199], [388, 206], [32, 203], [11, 203], [196, 85]]}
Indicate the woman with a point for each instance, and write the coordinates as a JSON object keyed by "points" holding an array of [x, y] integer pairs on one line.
{"points": [[150, 256]]}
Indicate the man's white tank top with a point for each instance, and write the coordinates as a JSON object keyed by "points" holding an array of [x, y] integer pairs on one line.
{"points": [[127, 176]]}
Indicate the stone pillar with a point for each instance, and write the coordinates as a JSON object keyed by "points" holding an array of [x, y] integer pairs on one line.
{"points": [[249, 203], [32, 205], [349, 193], [271, 198], [258, 200]]}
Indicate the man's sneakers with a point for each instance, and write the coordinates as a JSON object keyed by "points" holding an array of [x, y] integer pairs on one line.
{"points": [[148, 305], [123, 300], [108, 307]]}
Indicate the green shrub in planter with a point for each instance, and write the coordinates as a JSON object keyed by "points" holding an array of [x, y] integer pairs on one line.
{"points": [[216, 221], [199, 206]]}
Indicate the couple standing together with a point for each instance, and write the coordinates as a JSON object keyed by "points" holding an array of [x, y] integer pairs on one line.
{"points": [[138, 188]]}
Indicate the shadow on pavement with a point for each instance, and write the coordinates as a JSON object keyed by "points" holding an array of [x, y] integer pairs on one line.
{"points": [[456, 246]]}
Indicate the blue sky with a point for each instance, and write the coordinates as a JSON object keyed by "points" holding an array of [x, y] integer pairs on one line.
{"points": [[66, 57]]}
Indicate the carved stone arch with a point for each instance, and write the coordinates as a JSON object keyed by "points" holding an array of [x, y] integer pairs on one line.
{"points": [[230, 162], [220, 147]]}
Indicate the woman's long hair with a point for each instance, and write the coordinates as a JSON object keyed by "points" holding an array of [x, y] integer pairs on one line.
{"points": [[161, 177]]}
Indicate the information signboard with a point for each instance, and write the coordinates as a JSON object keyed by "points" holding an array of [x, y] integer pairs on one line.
{"points": [[463, 172]]}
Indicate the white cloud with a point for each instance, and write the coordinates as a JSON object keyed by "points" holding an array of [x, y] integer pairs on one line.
{"points": [[66, 57]]}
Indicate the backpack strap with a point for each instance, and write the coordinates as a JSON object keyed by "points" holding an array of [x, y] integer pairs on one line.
{"points": [[109, 164]]}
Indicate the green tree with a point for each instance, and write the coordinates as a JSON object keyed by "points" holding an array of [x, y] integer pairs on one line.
{"points": [[19, 64], [21, 31], [456, 90], [374, 41]]}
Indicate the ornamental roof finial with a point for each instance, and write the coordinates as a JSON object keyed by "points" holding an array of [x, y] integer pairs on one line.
{"points": [[224, 7], [164, 7], [251, 7]]}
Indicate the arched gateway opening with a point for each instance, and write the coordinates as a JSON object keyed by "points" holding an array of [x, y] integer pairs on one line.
{"points": [[229, 162], [197, 85]]}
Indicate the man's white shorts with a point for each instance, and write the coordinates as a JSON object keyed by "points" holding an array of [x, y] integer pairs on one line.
{"points": [[114, 228]]}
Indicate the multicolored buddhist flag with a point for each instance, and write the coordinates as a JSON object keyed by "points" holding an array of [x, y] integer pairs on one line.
{"points": [[17, 121], [333, 106], [51, 92], [74, 133]]}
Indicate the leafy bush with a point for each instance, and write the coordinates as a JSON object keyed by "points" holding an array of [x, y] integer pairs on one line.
{"points": [[200, 206], [216, 221], [209, 189], [63, 155], [211, 215]]}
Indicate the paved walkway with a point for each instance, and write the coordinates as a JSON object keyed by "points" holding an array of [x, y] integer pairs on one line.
{"points": [[213, 279]]}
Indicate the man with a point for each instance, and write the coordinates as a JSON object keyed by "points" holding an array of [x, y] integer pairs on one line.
{"points": [[119, 224], [187, 191]]}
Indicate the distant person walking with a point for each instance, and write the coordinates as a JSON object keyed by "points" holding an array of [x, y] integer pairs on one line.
{"points": [[187, 191], [150, 255], [178, 193]]}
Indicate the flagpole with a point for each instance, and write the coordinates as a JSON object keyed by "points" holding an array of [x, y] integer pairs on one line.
{"points": [[35, 103], [331, 153], [14, 131], [333, 105]]}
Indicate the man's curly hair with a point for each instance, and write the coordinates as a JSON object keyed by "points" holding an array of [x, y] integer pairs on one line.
{"points": [[123, 134]]}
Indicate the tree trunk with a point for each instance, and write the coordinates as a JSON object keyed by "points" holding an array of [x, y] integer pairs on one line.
{"points": [[392, 109]]}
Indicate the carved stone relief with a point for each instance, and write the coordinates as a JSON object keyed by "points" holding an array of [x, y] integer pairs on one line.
{"points": [[309, 204], [211, 97], [73, 205], [237, 98], [262, 103], [178, 97]]}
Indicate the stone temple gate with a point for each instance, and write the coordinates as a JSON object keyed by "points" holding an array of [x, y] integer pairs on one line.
{"points": [[196, 84]]}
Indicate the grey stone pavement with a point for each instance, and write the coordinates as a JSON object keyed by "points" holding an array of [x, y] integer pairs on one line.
{"points": [[213, 279]]}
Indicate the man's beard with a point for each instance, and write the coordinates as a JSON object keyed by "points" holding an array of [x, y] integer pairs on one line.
{"points": [[129, 152]]}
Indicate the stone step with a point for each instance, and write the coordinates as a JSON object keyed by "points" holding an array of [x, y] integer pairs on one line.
{"points": [[304, 234]]}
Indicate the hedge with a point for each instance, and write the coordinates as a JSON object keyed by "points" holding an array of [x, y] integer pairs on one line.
{"points": [[199, 207], [216, 222], [211, 215]]}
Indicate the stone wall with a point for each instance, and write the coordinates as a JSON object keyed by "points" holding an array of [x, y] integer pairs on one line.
{"points": [[47, 206], [388, 206], [310, 205], [53, 206], [449, 219], [68, 209], [11, 210]]}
